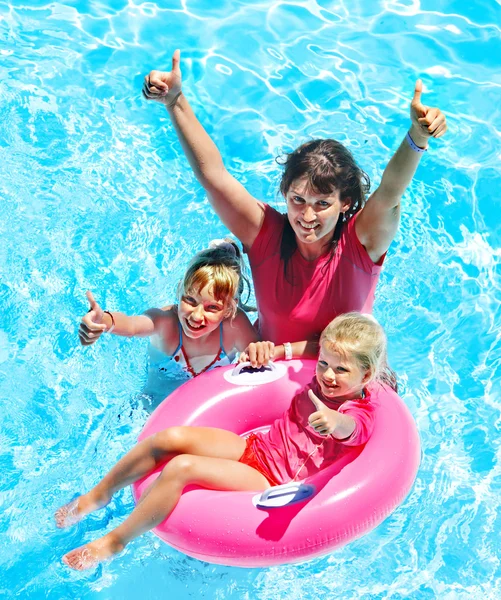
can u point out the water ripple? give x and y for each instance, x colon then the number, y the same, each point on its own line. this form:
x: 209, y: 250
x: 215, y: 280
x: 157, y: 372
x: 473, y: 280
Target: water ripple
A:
x: 97, y: 195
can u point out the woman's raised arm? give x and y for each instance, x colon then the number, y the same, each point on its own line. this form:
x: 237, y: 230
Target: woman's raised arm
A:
x: 240, y: 211
x: 377, y: 223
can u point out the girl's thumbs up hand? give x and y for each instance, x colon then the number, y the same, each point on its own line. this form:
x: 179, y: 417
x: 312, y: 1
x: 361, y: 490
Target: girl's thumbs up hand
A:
x: 324, y: 419
x: 91, y: 326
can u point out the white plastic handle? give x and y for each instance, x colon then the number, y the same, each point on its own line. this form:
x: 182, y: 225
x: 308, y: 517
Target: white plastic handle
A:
x: 280, y: 490
x: 238, y: 368
x: 284, y: 495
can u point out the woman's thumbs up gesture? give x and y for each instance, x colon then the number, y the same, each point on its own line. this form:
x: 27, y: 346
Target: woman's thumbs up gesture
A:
x: 324, y: 420
x: 91, y: 326
x: 426, y: 121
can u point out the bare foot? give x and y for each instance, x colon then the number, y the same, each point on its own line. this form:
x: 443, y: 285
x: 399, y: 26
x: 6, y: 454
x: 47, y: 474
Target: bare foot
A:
x: 77, y: 509
x: 91, y: 554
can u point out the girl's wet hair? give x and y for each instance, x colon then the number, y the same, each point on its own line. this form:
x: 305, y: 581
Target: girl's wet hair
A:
x: 361, y: 337
x: 221, y: 267
x: 328, y: 166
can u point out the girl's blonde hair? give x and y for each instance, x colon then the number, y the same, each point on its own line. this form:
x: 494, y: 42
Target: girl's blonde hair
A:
x: 220, y: 267
x: 360, y: 336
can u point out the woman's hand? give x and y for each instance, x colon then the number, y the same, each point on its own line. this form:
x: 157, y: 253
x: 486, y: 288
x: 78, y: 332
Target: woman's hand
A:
x: 258, y: 353
x: 324, y: 420
x: 92, y: 325
x: 426, y: 122
x: 164, y: 87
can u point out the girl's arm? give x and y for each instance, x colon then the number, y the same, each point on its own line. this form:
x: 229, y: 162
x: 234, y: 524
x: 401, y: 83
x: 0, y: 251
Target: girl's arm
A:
x: 242, y: 214
x: 377, y: 223
x: 239, y: 332
x: 97, y: 321
x: 326, y: 421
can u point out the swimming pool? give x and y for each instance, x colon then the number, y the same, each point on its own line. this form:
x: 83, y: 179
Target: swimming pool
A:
x: 95, y: 194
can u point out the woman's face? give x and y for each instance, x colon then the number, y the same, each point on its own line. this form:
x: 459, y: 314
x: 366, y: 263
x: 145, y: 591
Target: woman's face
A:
x: 313, y: 216
x: 200, y: 313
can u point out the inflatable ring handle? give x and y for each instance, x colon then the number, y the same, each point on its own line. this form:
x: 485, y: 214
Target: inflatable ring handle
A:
x: 238, y: 368
x: 284, y: 495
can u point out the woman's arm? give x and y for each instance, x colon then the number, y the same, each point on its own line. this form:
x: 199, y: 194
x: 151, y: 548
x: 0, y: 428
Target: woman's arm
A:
x: 303, y: 349
x: 260, y: 353
x: 239, y: 210
x: 377, y: 223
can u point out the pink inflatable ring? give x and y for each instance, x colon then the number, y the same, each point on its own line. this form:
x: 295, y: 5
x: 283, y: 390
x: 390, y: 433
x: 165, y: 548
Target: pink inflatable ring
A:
x: 341, y: 503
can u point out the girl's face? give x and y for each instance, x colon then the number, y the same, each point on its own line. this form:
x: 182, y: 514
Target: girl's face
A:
x: 339, y: 377
x: 200, y: 313
x: 312, y: 216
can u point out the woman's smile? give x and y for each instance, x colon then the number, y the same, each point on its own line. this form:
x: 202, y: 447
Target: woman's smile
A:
x: 308, y: 226
x: 313, y: 216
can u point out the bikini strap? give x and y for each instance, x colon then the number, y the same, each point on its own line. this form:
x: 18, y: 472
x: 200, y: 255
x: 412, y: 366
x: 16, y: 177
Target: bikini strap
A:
x: 221, y: 347
x: 180, y: 343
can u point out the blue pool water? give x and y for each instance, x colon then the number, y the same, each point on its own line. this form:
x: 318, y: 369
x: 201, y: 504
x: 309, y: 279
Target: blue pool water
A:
x: 95, y: 194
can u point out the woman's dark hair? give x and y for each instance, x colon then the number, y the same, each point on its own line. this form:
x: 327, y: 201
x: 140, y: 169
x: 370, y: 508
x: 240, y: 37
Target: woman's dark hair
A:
x: 329, y: 166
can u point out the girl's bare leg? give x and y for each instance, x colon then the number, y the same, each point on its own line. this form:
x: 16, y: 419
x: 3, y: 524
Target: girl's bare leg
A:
x: 147, y: 456
x: 163, y: 495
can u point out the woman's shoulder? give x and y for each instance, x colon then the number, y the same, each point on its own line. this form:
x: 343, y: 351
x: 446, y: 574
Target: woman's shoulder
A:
x: 349, y: 230
x: 273, y: 218
x: 273, y: 213
x: 351, y: 247
x: 268, y: 239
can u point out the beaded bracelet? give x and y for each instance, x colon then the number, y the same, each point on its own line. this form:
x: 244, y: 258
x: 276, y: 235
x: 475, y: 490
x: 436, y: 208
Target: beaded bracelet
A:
x: 413, y: 145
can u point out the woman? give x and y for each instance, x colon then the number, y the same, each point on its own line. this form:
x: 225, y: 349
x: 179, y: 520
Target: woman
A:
x: 324, y: 257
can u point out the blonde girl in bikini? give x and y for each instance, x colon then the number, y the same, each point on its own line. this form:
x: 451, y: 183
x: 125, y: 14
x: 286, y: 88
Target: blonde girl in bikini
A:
x: 204, y: 330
